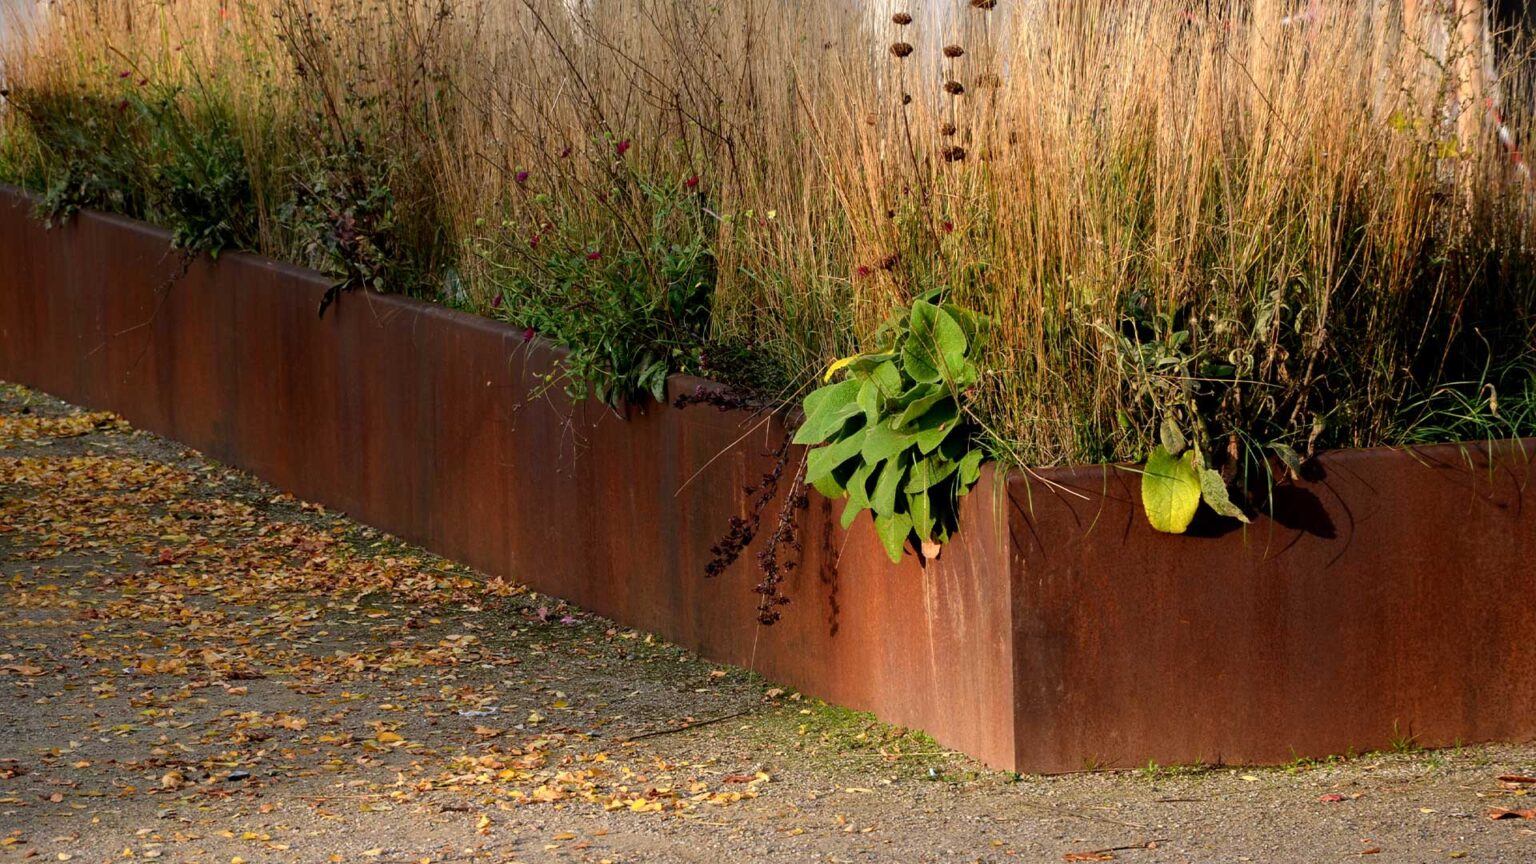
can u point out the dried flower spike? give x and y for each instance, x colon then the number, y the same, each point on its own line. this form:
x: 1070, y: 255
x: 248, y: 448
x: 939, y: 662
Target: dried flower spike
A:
x: 901, y: 49
x: 902, y: 18
x: 953, y: 51
x: 947, y: 129
x: 954, y: 153
x: 954, y: 88
x: 906, y: 98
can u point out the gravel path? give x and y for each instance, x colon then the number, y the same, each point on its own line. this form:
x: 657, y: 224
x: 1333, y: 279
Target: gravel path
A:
x: 197, y: 668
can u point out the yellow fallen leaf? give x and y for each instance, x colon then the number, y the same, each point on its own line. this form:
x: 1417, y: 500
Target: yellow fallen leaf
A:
x: 389, y: 738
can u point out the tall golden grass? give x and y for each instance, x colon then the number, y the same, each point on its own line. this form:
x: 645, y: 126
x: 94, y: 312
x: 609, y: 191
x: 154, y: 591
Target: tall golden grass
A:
x: 1275, y: 222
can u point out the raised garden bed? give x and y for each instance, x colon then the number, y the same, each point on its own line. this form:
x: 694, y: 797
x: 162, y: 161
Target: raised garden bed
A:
x: 1386, y: 603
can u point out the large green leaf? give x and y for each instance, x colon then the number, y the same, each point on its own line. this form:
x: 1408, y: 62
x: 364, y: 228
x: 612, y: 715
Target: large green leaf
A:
x: 870, y: 401
x: 883, y: 442
x: 858, y: 493
x: 893, y: 531
x: 886, y: 377
x: 826, y: 410
x: 970, y: 322
x: 824, y: 460
x: 883, y: 499
x: 934, y: 426
x: 920, y: 400
x: 970, y: 468
x: 1170, y: 490
x: 935, y: 349
x: 920, y: 507
x: 829, y: 487
x: 928, y: 471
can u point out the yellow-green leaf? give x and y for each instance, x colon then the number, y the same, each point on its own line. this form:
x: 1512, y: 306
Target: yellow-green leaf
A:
x: 1170, y: 490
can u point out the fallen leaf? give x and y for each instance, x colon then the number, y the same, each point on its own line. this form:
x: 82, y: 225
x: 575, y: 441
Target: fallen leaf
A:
x: 1516, y: 778
x: 1332, y: 798
x: 1501, y: 813
x: 26, y: 669
x: 1089, y: 856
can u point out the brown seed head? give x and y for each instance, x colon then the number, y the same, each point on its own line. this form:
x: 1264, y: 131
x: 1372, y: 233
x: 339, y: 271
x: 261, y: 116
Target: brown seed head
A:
x: 954, y: 153
x: 901, y: 49
x: 953, y: 51
x: 954, y: 88
x: 906, y: 98
x: 902, y: 18
x: 947, y: 129
x: 984, y: 5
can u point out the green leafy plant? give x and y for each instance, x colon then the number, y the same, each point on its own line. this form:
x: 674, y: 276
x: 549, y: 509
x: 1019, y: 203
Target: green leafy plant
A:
x: 631, y: 308
x: 893, y: 435
x: 1176, y: 479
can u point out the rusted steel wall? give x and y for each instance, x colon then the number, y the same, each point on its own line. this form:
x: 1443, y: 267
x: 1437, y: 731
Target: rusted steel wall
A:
x: 1388, y: 597
x: 432, y: 425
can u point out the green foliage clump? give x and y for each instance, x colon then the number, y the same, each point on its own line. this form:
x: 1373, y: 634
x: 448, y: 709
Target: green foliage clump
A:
x: 630, y: 313
x: 894, y: 437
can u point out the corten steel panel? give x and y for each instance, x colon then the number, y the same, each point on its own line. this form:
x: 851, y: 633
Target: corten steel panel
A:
x: 1057, y: 632
x: 1387, y: 600
x: 437, y: 426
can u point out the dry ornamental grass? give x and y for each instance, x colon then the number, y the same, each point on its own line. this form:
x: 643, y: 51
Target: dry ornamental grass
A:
x: 1299, y: 223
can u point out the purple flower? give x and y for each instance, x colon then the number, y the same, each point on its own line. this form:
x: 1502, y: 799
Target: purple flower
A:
x: 622, y: 147
x: 594, y: 255
x: 692, y: 182
x: 496, y: 302
x: 528, y: 334
x: 522, y: 178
